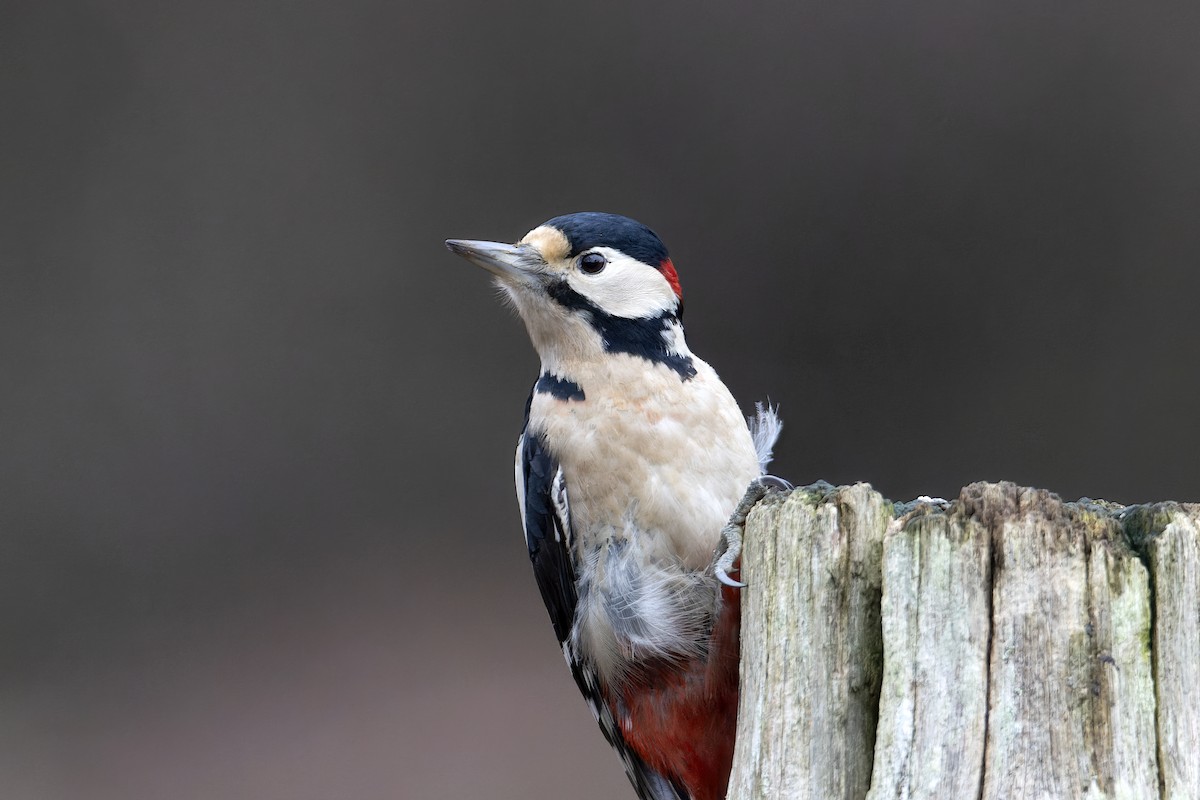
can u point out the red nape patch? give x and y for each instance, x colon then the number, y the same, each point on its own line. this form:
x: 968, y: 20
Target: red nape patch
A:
x: 668, y: 270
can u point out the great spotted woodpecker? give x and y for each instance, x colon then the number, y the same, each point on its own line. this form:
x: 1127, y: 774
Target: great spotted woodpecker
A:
x: 633, y: 457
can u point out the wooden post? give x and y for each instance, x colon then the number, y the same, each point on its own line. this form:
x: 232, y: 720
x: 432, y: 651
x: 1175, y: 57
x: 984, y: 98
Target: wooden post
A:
x: 1004, y: 645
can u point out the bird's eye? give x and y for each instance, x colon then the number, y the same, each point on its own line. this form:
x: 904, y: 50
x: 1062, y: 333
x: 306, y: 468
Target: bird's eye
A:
x: 592, y: 263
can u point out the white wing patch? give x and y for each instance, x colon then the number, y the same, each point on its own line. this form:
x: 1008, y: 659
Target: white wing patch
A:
x: 562, y: 507
x: 520, y: 481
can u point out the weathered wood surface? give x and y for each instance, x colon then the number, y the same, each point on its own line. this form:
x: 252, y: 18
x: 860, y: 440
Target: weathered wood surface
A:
x: 1169, y: 535
x: 937, y: 587
x: 806, y: 725
x: 1005, y: 645
x: 1071, y: 706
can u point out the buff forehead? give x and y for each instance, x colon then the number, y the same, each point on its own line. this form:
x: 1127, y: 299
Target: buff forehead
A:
x: 550, y: 242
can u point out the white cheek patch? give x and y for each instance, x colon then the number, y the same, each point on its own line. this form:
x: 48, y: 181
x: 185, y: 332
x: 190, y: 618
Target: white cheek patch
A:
x: 626, y: 287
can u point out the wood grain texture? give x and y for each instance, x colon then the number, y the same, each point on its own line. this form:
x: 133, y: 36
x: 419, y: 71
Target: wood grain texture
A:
x: 936, y: 622
x: 1169, y: 536
x: 1069, y: 713
x: 811, y: 627
x: 1005, y: 645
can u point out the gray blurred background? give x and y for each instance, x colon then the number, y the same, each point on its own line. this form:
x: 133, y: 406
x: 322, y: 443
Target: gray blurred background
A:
x: 257, y: 533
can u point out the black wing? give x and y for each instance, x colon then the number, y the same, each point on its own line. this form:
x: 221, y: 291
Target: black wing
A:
x: 542, y: 494
x: 546, y: 516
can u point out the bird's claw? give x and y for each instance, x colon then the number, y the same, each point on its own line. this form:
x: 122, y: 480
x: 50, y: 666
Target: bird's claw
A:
x: 774, y: 482
x: 728, y: 553
x: 730, y: 548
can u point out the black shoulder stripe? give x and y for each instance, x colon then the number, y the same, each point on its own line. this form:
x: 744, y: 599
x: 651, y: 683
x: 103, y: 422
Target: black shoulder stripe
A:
x: 637, y: 337
x: 561, y: 388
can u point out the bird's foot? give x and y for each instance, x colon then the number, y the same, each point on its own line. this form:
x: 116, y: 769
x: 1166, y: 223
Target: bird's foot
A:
x: 730, y: 547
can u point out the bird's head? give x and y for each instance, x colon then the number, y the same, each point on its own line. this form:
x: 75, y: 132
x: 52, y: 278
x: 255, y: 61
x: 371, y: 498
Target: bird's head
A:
x: 590, y: 283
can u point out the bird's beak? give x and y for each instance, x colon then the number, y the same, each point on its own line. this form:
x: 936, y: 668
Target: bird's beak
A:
x: 502, y: 260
